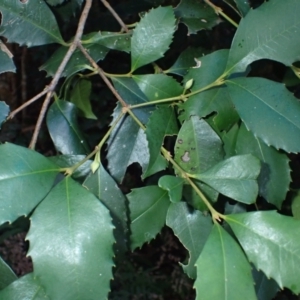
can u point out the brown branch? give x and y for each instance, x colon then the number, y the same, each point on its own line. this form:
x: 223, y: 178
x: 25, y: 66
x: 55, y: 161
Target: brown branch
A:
x: 59, y: 71
x: 102, y: 75
x: 115, y: 15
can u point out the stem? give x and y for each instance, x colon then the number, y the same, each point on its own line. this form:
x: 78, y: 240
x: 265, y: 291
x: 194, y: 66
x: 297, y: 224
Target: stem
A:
x: 59, y: 71
x: 218, y: 10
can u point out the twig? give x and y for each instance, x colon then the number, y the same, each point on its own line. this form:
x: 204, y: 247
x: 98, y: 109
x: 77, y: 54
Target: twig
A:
x: 115, y: 15
x: 102, y: 75
x: 59, y: 71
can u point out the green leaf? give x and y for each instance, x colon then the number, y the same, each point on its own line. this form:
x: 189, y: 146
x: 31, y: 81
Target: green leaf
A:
x: 152, y: 36
x: 267, y: 32
x: 29, y: 23
x: 173, y: 185
x: 223, y: 271
x: 4, y: 111
x: 243, y: 6
x: 161, y: 123
x: 64, y: 130
x: 192, y: 229
x: 110, y: 40
x: 133, y: 150
x: 7, y: 63
x: 77, y: 62
x: 25, y: 288
x: 148, y: 211
x: 7, y: 275
x: 274, y: 178
x: 186, y: 60
x: 68, y: 160
x: 71, y: 239
x: 296, y: 206
x: 196, y: 15
x: 158, y: 86
x: 269, y: 110
x: 272, y: 242
x: 266, y: 289
x: 234, y: 177
x: 197, y: 146
x: 105, y: 188
x: 55, y: 2
x: 229, y: 139
x: 81, y: 98
x: 25, y: 179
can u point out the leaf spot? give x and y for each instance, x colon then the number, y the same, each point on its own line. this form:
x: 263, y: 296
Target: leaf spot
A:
x: 203, y: 20
x: 180, y: 141
x: 186, y: 156
x: 198, y: 63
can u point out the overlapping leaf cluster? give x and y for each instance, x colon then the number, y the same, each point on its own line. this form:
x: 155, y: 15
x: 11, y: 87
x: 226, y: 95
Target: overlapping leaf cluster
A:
x: 231, y: 135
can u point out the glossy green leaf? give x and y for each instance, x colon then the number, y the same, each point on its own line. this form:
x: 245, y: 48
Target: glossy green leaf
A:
x: 7, y: 63
x: 234, y: 177
x: 81, y: 98
x: 25, y: 288
x: 158, y: 86
x: 152, y: 36
x: 7, y: 275
x: 110, y: 40
x: 269, y: 110
x: 77, y: 62
x: 71, y: 240
x: 25, y: 179
x: 197, y: 147
x: 223, y: 271
x: 148, y: 210
x: 229, y: 139
x: 161, y: 123
x: 4, y: 111
x: 243, y: 6
x: 186, y: 60
x: 173, y: 185
x: 64, y: 129
x: 272, y: 242
x: 29, y: 23
x: 271, y: 31
x: 274, y: 178
x: 123, y: 151
x: 55, y: 2
x: 296, y: 206
x: 105, y: 188
x: 192, y: 229
x: 68, y: 160
x: 196, y: 15
x: 265, y: 288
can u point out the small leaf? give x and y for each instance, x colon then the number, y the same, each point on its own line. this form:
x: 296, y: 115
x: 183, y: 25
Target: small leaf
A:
x: 265, y: 288
x: 272, y: 242
x: 266, y: 108
x: 64, y: 130
x: 26, y: 177
x: 192, y: 228
x: 296, y: 206
x: 158, y: 86
x: 197, y: 146
x: 105, y: 188
x: 72, y: 245
x: 280, y: 31
x: 81, y: 98
x: 77, y: 62
x: 186, y: 60
x: 110, y: 40
x: 274, y: 178
x: 7, y: 275
x: 148, y: 211
x: 161, y: 123
x: 234, y: 177
x: 27, y: 287
x: 173, y: 185
x: 223, y: 271
x: 152, y: 36
x: 7, y: 63
x: 229, y: 139
x: 243, y: 6
x: 4, y: 111
x: 29, y: 23
x: 196, y: 15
